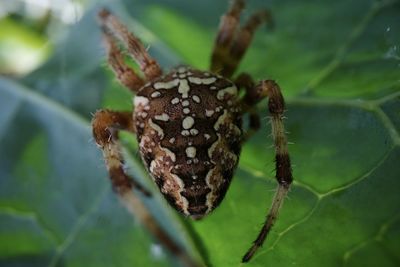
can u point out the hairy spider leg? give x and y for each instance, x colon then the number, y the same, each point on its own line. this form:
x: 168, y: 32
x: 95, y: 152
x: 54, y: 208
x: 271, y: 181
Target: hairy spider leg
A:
x: 243, y: 39
x: 231, y: 43
x: 125, y: 75
x: 106, y: 125
x: 226, y: 33
x: 147, y: 64
x: 276, y: 106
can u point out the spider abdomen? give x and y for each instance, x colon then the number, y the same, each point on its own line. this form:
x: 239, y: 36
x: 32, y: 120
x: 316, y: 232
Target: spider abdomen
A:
x: 188, y: 126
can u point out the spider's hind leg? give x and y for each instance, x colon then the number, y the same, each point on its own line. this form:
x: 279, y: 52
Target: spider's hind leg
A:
x: 231, y: 43
x: 243, y: 40
x: 276, y: 106
x: 226, y: 33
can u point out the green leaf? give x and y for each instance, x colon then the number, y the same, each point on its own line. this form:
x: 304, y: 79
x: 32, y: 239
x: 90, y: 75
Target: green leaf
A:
x: 338, y: 64
x: 59, y: 194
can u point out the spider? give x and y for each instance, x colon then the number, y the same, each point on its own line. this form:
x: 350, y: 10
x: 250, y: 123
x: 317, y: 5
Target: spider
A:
x: 188, y: 124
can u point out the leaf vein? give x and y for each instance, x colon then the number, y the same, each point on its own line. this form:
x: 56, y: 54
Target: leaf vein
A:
x: 343, y: 49
x: 80, y: 223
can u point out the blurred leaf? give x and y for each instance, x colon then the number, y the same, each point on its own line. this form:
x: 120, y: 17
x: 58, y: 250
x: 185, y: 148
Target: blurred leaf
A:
x: 338, y: 65
x: 29, y: 49
x: 54, y: 196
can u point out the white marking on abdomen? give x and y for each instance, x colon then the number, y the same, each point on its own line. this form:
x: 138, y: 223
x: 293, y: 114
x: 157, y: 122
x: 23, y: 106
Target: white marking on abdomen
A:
x: 194, y: 131
x: 169, y: 153
x: 221, y: 120
x: 140, y: 100
x: 209, y: 113
x: 211, y: 195
x: 196, y: 80
x: 231, y: 90
x: 155, y: 94
x: 182, y: 199
x: 196, y: 99
x: 185, y: 133
x: 213, y: 147
x: 175, y: 101
x: 157, y: 128
x: 162, y: 117
x: 190, y: 152
x: 152, y: 166
x: 187, y: 122
x: 166, y: 85
x: 184, y: 88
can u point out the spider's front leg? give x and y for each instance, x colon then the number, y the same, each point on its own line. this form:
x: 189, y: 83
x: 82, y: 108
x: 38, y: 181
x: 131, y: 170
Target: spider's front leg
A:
x: 276, y: 106
x: 113, y: 28
x: 106, y: 125
x: 125, y: 75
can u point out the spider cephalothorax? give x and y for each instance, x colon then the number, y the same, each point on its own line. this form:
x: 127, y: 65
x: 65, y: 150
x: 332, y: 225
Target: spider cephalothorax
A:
x: 189, y: 125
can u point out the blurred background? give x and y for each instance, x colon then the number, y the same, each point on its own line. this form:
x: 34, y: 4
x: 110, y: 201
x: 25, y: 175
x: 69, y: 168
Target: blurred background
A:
x: 338, y: 64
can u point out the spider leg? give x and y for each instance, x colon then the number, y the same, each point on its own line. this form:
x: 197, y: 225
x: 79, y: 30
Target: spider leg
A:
x: 124, y: 73
x: 147, y: 64
x: 226, y: 33
x: 244, y: 80
x: 231, y: 43
x: 106, y: 124
x: 243, y: 39
x: 276, y: 106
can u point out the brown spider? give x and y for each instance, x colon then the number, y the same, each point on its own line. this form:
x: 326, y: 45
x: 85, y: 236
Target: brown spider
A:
x: 188, y: 125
